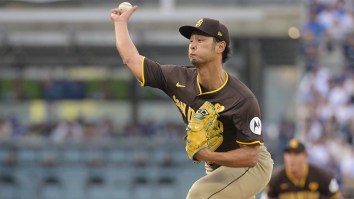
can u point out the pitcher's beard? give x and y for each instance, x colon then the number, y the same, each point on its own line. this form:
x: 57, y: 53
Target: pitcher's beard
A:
x: 195, y: 62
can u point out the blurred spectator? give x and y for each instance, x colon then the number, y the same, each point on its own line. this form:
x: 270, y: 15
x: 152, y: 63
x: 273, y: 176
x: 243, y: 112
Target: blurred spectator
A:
x: 318, y: 30
x: 314, y: 84
x: 148, y: 127
x: 324, y: 153
x: 348, y: 51
x: 331, y: 127
x: 310, y: 49
x: 68, y: 131
x: 338, y: 94
x: 347, y: 164
x: 18, y: 130
x: 172, y: 131
x: 89, y: 131
x: 11, y: 128
x: 349, y: 84
x: 286, y: 132
x: 319, y: 152
x: 325, y: 113
x: 324, y: 3
x: 105, y: 128
x: 315, y: 129
x: 5, y: 129
x: 351, y: 131
x: 132, y: 129
x: 39, y: 130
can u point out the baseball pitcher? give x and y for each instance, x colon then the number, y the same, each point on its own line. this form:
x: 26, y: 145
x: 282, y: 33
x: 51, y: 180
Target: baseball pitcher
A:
x: 222, y: 115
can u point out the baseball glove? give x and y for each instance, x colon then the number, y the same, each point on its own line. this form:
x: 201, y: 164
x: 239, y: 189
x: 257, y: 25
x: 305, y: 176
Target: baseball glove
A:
x: 203, y: 130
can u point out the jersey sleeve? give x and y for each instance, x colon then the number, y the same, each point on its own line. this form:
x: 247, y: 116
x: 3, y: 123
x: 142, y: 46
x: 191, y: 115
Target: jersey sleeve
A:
x: 153, y: 75
x: 164, y: 77
x: 247, y: 120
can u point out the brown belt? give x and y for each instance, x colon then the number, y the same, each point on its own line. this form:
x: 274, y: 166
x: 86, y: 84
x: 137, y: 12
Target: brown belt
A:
x: 210, y: 167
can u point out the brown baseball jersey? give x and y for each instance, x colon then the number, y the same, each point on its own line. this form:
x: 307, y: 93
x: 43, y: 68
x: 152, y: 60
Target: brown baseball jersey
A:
x: 240, y: 112
x: 317, y: 184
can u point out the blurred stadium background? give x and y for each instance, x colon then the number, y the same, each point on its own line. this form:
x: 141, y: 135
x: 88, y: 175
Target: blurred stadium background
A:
x: 75, y: 124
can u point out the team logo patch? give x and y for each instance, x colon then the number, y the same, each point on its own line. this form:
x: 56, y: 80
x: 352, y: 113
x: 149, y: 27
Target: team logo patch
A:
x: 204, y: 112
x: 199, y: 23
x: 256, y: 126
x: 333, y: 186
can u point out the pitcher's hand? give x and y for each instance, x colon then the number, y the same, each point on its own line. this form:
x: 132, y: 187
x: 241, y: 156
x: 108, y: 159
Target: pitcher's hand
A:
x: 117, y: 16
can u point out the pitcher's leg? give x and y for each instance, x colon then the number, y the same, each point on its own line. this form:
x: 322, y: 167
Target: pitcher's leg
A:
x: 225, y: 183
x: 235, y: 183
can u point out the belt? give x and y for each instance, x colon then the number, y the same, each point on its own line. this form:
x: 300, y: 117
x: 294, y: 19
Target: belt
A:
x: 210, y: 167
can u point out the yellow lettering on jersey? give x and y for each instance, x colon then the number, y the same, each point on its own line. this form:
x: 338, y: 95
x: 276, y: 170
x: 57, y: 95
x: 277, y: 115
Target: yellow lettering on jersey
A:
x: 300, y: 195
x: 313, y: 186
x: 219, y: 107
x: 190, y: 113
x: 182, y: 106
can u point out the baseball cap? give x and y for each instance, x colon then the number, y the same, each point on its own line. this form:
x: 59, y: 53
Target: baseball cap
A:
x: 208, y: 26
x: 294, y: 146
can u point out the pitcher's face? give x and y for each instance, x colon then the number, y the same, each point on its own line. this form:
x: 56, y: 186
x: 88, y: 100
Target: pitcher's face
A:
x: 202, y: 49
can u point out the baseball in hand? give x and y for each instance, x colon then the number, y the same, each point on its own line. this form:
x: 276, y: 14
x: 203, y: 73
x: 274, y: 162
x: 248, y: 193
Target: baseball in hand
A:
x: 124, y: 6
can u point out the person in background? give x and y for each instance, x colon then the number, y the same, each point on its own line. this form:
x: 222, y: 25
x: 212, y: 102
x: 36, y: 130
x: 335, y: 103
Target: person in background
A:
x: 300, y: 179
